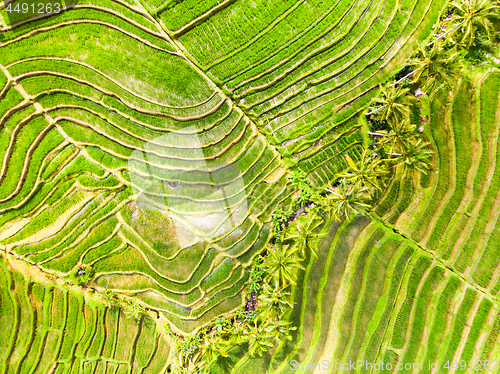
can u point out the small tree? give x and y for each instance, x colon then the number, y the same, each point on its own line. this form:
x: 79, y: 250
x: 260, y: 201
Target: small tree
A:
x: 275, y: 301
x: 280, y: 330
x: 470, y: 15
x: 132, y: 308
x: 259, y: 338
x: 346, y: 199
x: 108, y: 298
x: 303, y: 235
x: 416, y: 156
x: 394, y: 103
x: 369, y: 171
x: 434, y: 64
x: 400, y: 135
x: 280, y: 265
x: 214, y: 346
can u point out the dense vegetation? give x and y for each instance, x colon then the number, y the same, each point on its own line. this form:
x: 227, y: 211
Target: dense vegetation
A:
x: 334, y: 164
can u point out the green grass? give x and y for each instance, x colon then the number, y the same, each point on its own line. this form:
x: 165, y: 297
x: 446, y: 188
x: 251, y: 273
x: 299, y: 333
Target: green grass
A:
x: 462, y: 118
x: 443, y: 152
x: 459, y: 324
x: 478, y: 326
x: 373, y: 346
x: 422, y: 312
x: 389, y: 199
x: 71, y: 328
x: 438, y: 329
x: 403, y: 317
x: 367, y: 308
x: 491, y: 341
x: 347, y: 324
x: 403, y: 204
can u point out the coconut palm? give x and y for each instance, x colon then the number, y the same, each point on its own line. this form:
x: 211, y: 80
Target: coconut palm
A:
x: 280, y: 330
x: 304, y: 236
x: 345, y: 200
x: 434, y: 64
x: 259, y: 338
x: 280, y: 265
x: 416, y: 156
x: 214, y: 346
x: 189, y: 364
x: 470, y: 14
x: 274, y: 300
x: 238, y: 333
x: 395, y: 103
x: 299, y: 181
x: 399, y: 135
x: 368, y: 171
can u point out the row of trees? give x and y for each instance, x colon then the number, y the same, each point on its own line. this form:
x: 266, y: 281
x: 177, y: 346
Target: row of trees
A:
x: 263, y: 325
x: 469, y: 17
x: 397, y: 144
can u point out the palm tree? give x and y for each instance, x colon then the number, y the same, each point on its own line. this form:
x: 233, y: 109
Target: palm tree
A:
x: 470, y: 14
x: 214, y: 347
x: 398, y: 136
x: 299, y: 181
x: 237, y: 333
x: 259, y: 338
x: 274, y: 300
x: 436, y: 63
x: 416, y: 156
x: 188, y: 364
x: 191, y: 367
x: 280, y: 329
x: 368, y: 171
x: 346, y: 199
x: 280, y: 264
x: 304, y: 236
x: 395, y: 103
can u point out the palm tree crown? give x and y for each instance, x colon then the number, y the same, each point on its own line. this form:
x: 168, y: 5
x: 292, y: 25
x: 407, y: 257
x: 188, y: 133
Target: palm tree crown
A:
x: 214, y: 347
x: 369, y: 171
x: 304, y: 236
x: 401, y: 133
x: 346, y: 199
x: 434, y: 64
x: 280, y: 265
x: 394, y: 103
x: 416, y: 156
x: 259, y: 337
x: 274, y: 300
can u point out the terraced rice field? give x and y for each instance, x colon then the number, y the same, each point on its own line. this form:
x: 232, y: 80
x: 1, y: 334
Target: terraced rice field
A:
x: 50, y: 329
x: 374, y: 295
x: 110, y: 78
x: 453, y: 212
x: 291, y: 64
x: 71, y: 124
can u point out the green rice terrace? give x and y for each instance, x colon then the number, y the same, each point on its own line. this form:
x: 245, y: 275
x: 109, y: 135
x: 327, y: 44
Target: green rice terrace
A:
x: 235, y: 186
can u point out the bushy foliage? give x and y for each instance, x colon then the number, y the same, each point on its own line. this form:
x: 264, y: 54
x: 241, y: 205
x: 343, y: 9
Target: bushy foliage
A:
x: 82, y: 275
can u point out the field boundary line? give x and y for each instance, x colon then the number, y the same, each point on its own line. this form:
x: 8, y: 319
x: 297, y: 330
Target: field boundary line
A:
x: 438, y: 259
